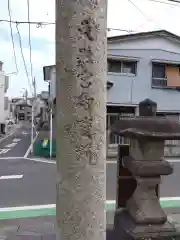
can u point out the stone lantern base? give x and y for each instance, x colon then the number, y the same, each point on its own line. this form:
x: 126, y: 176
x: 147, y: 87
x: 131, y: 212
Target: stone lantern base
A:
x: 126, y: 229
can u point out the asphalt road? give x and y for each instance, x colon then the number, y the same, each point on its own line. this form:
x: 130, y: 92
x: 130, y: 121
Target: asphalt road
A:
x: 23, y: 181
x: 36, y: 187
x: 36, y: 182
x: 16, y: 144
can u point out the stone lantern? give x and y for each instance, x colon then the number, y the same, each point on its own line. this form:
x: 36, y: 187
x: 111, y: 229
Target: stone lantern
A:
x: 142, y: 216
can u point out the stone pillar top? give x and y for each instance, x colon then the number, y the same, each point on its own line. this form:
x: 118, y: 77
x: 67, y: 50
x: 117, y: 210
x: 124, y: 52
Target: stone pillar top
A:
x: 147, y: 125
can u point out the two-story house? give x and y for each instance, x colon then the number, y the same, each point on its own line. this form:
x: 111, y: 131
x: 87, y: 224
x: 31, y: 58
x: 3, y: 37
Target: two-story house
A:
x: 141, y: 65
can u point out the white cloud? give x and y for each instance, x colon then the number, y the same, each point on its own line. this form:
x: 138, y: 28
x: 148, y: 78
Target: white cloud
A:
x: 121, y: 14
x: 39, y: 11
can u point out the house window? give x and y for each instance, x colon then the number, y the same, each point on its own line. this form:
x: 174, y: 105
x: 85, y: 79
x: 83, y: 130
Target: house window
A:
x: 114, y: 66
x: 126, y: 67
x: 21, y: 108
x: 159, y: 78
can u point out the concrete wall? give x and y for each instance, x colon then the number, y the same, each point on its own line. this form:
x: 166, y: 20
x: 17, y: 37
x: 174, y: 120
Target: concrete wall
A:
x: 7, y: 108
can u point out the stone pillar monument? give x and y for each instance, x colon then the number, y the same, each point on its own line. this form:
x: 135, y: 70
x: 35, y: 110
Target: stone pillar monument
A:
x: 142, y: 216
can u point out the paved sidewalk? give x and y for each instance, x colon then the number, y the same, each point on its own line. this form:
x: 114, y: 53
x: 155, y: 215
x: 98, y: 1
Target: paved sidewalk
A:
x: 43, y: 228
x: 40, y: 228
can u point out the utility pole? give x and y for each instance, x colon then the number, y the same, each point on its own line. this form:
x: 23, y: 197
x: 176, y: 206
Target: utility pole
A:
x: 32, y: 113
x: 81, y: 76
x: 34, y: 87
x: 26, y: 95
x: 51, y: 124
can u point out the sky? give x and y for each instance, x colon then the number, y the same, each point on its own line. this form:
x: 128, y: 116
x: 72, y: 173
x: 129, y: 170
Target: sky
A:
x: 128, y: 15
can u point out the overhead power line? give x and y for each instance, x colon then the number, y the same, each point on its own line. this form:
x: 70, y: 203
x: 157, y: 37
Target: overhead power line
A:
x: 142, y: 12
x: 28, y: 22
x: 12, y: 38
x: 175, y: 4
x: 22, y: 54
x: 40, y: 24
x: 174, y: 1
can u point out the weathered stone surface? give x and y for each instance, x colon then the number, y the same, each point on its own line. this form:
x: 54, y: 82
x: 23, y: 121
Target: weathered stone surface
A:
x: 145, y: 164
x: 127, y: 229
x: 144, y: 217
x: 147, y: 127
x: 148, y: 168
x: 144, y: 149
x: 144, y: 206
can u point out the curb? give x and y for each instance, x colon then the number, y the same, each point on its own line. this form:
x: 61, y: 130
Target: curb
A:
x: 50, y: 209
x: 40, y: 160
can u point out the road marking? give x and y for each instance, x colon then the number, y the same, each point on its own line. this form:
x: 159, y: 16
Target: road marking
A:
x: 24, y: 133
x: 174, y: 160
x: 11, y: 145
x: 2, y: 151
x: 31, y: 145
x: 11, y: 177
x: 2, y: 139
x: 170, y: 198
x: 41, y: 160
x: 16, y: 140
x: 6, y: 158
x: 50, y: 209
x: 35, y: 207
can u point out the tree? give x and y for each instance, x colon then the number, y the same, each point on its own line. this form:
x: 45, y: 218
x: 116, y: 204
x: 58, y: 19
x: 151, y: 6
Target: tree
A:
x: 81, y: 72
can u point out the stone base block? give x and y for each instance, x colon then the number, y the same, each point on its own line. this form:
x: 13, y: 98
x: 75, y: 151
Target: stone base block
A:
x: 126, y: 229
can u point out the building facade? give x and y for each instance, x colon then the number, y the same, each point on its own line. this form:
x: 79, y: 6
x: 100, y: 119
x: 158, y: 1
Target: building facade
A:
x: 4, y: 84
x: 142, y: 65
x: 23, y: 109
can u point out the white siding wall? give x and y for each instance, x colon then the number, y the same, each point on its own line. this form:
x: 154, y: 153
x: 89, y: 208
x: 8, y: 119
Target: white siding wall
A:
x: 2, y: 94
x: 130, y: 90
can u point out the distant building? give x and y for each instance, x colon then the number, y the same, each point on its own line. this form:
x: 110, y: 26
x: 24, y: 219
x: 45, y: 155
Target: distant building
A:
x: 4, y: 84
x: 23, y: 109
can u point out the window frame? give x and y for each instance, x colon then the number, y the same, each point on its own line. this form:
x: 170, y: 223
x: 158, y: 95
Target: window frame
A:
x: 121, y: 62
x: 22, y: 108
x: 153, y: 79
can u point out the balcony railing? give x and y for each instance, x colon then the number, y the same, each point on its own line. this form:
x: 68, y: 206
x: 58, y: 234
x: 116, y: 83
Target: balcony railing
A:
x: 159, y: 82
